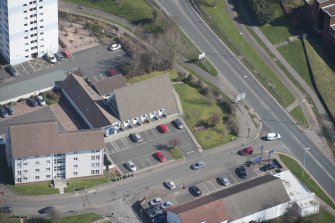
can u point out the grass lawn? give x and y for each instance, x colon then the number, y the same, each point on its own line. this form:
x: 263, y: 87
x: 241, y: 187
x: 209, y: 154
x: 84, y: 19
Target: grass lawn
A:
x: 131, y: 80
x: 175, y: 153
x: 85, y: 183
x: 83, y: 218
x: 299, y: 116
x: 227, y: 31
x: 34, y: 189
x: 197, y: 109
x: 297, y: 170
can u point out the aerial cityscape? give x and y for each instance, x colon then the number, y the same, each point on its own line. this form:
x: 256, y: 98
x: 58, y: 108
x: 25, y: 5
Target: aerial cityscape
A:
x: 167, y: 111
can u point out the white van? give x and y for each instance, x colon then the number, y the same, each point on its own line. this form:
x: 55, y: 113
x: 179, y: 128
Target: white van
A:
x: 51, y: 58
x: 272, y: 136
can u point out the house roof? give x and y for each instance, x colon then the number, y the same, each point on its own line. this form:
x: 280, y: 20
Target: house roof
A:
x: 146, y: 96
x: 87, y: 101
x: 42, y: 138
x: 107, y: 85
x: 329, y: 9
x: 238, y: 201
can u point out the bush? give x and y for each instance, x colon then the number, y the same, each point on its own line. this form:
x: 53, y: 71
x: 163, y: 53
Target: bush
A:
x: 262, y: 10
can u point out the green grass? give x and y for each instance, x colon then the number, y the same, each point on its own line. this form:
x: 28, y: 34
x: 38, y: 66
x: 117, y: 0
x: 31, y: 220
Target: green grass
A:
x: 297, y: 170
x: 225, y: 28
x: 196, y: 109
x: 131, y: 80
x: 323, y: 217
x: 42, y: 188
x: 299, y: 116
x: 85, y: 183
x: 83, y: 218
x: 175, y: 153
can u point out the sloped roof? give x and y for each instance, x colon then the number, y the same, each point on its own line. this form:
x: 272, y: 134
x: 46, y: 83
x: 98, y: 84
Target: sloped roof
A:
x: 87, y: 101
x: 146, y: 96
x: 42, y: 138
x: 238, y: 201
x: 107, y: 85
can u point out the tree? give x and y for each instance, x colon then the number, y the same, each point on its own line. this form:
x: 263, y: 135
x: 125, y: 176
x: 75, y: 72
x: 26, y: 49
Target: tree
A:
x: 214, y: 119
x: 262, y: 10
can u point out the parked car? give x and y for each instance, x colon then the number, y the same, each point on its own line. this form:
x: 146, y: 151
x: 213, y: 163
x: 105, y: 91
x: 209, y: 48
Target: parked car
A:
x: 66, y: 54
x: 268, y: 167
x: 10, y: 109
x: 46, y: 210
x: 32, y: 102
x: 195, y: 191
x: 131, y: 166
x: 51, y: 58
x: 5, y: 209
x: 112, y: 72
x: 197, y: 165
x: 166, y: 205
x: 40, y: 100
x: 2, y: 140
x: 170, y: 184
x: 12, y: 70
x: 178, y: 124
x: 114, y: 46
x: 135, y: 137
x: 155, y: 201
x: 59, y: 56
x: 246, y: 151
x: 272, y: 136
x: 241, y: 172
x: 162, y: 128
x: 3, y: 112
x: 223, y: 180
x: 160, y: 156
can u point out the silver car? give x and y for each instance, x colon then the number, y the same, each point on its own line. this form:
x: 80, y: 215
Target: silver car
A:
x: 223, y: 180
x: 197, y: 165
x: 131, y: 165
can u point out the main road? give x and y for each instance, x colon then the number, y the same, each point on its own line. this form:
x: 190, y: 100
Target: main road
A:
x: 274, y: 117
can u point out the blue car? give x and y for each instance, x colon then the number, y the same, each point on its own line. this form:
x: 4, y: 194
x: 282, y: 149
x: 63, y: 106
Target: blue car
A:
x: 32, y: 102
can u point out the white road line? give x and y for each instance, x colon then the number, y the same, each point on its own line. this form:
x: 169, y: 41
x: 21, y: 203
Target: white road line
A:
x: 203, y: 183
x: 148, y: 159
x: 24, y: 68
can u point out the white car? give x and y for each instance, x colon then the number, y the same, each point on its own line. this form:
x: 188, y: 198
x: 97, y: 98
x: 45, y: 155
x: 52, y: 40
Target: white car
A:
x: 51, y: 57
x: 131, y: 165
x: 114, y: 47
x: 40, y: 100
x: 223, y: 180
x: 272, y: 136
x: 170, y: 184
x: 166, y: 205
x: 155, y: 201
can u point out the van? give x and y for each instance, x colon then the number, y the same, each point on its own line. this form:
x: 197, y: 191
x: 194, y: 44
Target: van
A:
x: 51, y: 58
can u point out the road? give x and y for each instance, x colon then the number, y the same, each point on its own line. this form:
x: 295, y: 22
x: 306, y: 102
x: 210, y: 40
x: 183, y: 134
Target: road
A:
x: 273, y: 116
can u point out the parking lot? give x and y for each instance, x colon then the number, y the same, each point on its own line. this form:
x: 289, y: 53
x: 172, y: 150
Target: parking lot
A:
x: 142, y: 153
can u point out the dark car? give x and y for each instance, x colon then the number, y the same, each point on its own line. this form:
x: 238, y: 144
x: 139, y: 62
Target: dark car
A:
x: 12, y: 71
x: 3, y: 112
x: 241, y: 172
x: 246, y: 151
x: 46, y: 210
x: 268, y: 167
x: 32, y: 102
x: 5, y: 209
x: 178, y: 124
x: 10, y: 109
x: 135, y: 137
x: 195, y: 191
x: 59, y: 56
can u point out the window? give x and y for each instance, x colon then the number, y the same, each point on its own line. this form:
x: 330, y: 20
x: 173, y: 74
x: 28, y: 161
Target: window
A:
x: 37, y: 156
x: 92, y: 157
x: 37, y: 162
x: 25, y: 178
x: 19, y: 158
x: 47, y: 161
x: 25, y: 171
x: 47, y: 169
x: 75, y: 158
x: 26, y: 37
x: 75, y: 173
x: 37, y: 177
x: 19, y: 165
x: 95, y: 171
x: 73, y: 152
x: 97, y: 164
x: 92, y: 164
x: 47, y: 176
x: 18, y: 180
x: 19, y: 172
x: 97, y: 157
x: 75, y: 166
x: 37, y: 170
x: 25, y: 164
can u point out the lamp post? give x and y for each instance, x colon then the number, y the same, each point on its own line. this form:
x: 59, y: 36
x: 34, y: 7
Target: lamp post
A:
x: 303, y: 170
x: 67, y: 15
x: 244, y: 77
x: 305, y: 124
x: 241, y: 45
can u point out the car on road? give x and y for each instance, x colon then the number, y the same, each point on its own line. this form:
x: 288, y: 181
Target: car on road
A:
x: 241, y: 172
x: 10, y: 109
x: 268, y: 167
x: 66, y: 54
x: 223, y: 180
x: 59, y: 56
x: 114, y: 46
x: 32, y: 102
x: 195, y: 191
x: 131, y: 165
x: 246, y: 151
x: 40, y: 100
x: 166, y: 205
x: 160, y: 156
x: 155, y: 201
x: 162, y: 128
x: 5, y: 209
x: 170, y: 184
x: 272, y: 136
x: 135, y: 137
x: 46, y: 210
x: 3, y: 112
x: 12, y: 70
x: 197, y: 165
x: 178, y: 124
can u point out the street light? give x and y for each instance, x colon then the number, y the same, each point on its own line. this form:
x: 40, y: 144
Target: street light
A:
x: 303, y: 170
x: 245, y: 77
x: 241, y: 45
x: 67, y: 15
x: 305, y: 124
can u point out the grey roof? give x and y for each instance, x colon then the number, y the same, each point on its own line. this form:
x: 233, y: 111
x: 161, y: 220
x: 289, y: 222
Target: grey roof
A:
x: 145, y: 97
x: 42, y: 138
x: 87, y: 101
x: 107, y: 85
x: 243, y: 199
x: 31, y: 85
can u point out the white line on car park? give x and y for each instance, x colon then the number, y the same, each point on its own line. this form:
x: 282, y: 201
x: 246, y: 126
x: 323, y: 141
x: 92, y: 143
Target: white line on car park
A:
x: 24, y: 68
x: 150, y: 139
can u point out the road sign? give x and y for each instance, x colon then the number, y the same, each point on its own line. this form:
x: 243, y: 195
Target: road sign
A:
x: 240, y: 97
x: 270, y: 152
x: 202, y: 56
x: 258, y: 159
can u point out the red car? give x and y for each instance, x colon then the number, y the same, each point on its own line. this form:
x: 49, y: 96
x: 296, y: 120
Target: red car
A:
x: 162, y: 128
x: 67, y: 54
x: 160, y: 156
x: 246, y: 151
x: 112, y: 72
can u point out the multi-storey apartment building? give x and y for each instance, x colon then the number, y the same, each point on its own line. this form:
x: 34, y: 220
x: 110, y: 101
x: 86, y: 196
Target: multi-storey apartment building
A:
x: 39, y: 152
x: 28, y: 29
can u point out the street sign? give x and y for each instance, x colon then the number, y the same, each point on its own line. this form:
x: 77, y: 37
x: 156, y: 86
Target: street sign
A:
x: 202, y: 56
x: 240, y: 97
x: 258, y: 159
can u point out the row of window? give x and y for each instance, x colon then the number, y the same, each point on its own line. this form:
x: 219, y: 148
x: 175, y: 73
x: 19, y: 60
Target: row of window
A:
x: 23, y: 179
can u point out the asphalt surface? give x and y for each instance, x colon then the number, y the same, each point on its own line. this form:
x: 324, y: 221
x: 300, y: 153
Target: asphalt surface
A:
x: 274, y: 117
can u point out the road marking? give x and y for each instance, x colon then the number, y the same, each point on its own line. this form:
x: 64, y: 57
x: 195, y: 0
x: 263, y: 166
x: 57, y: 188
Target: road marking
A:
x: 24, y: 68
